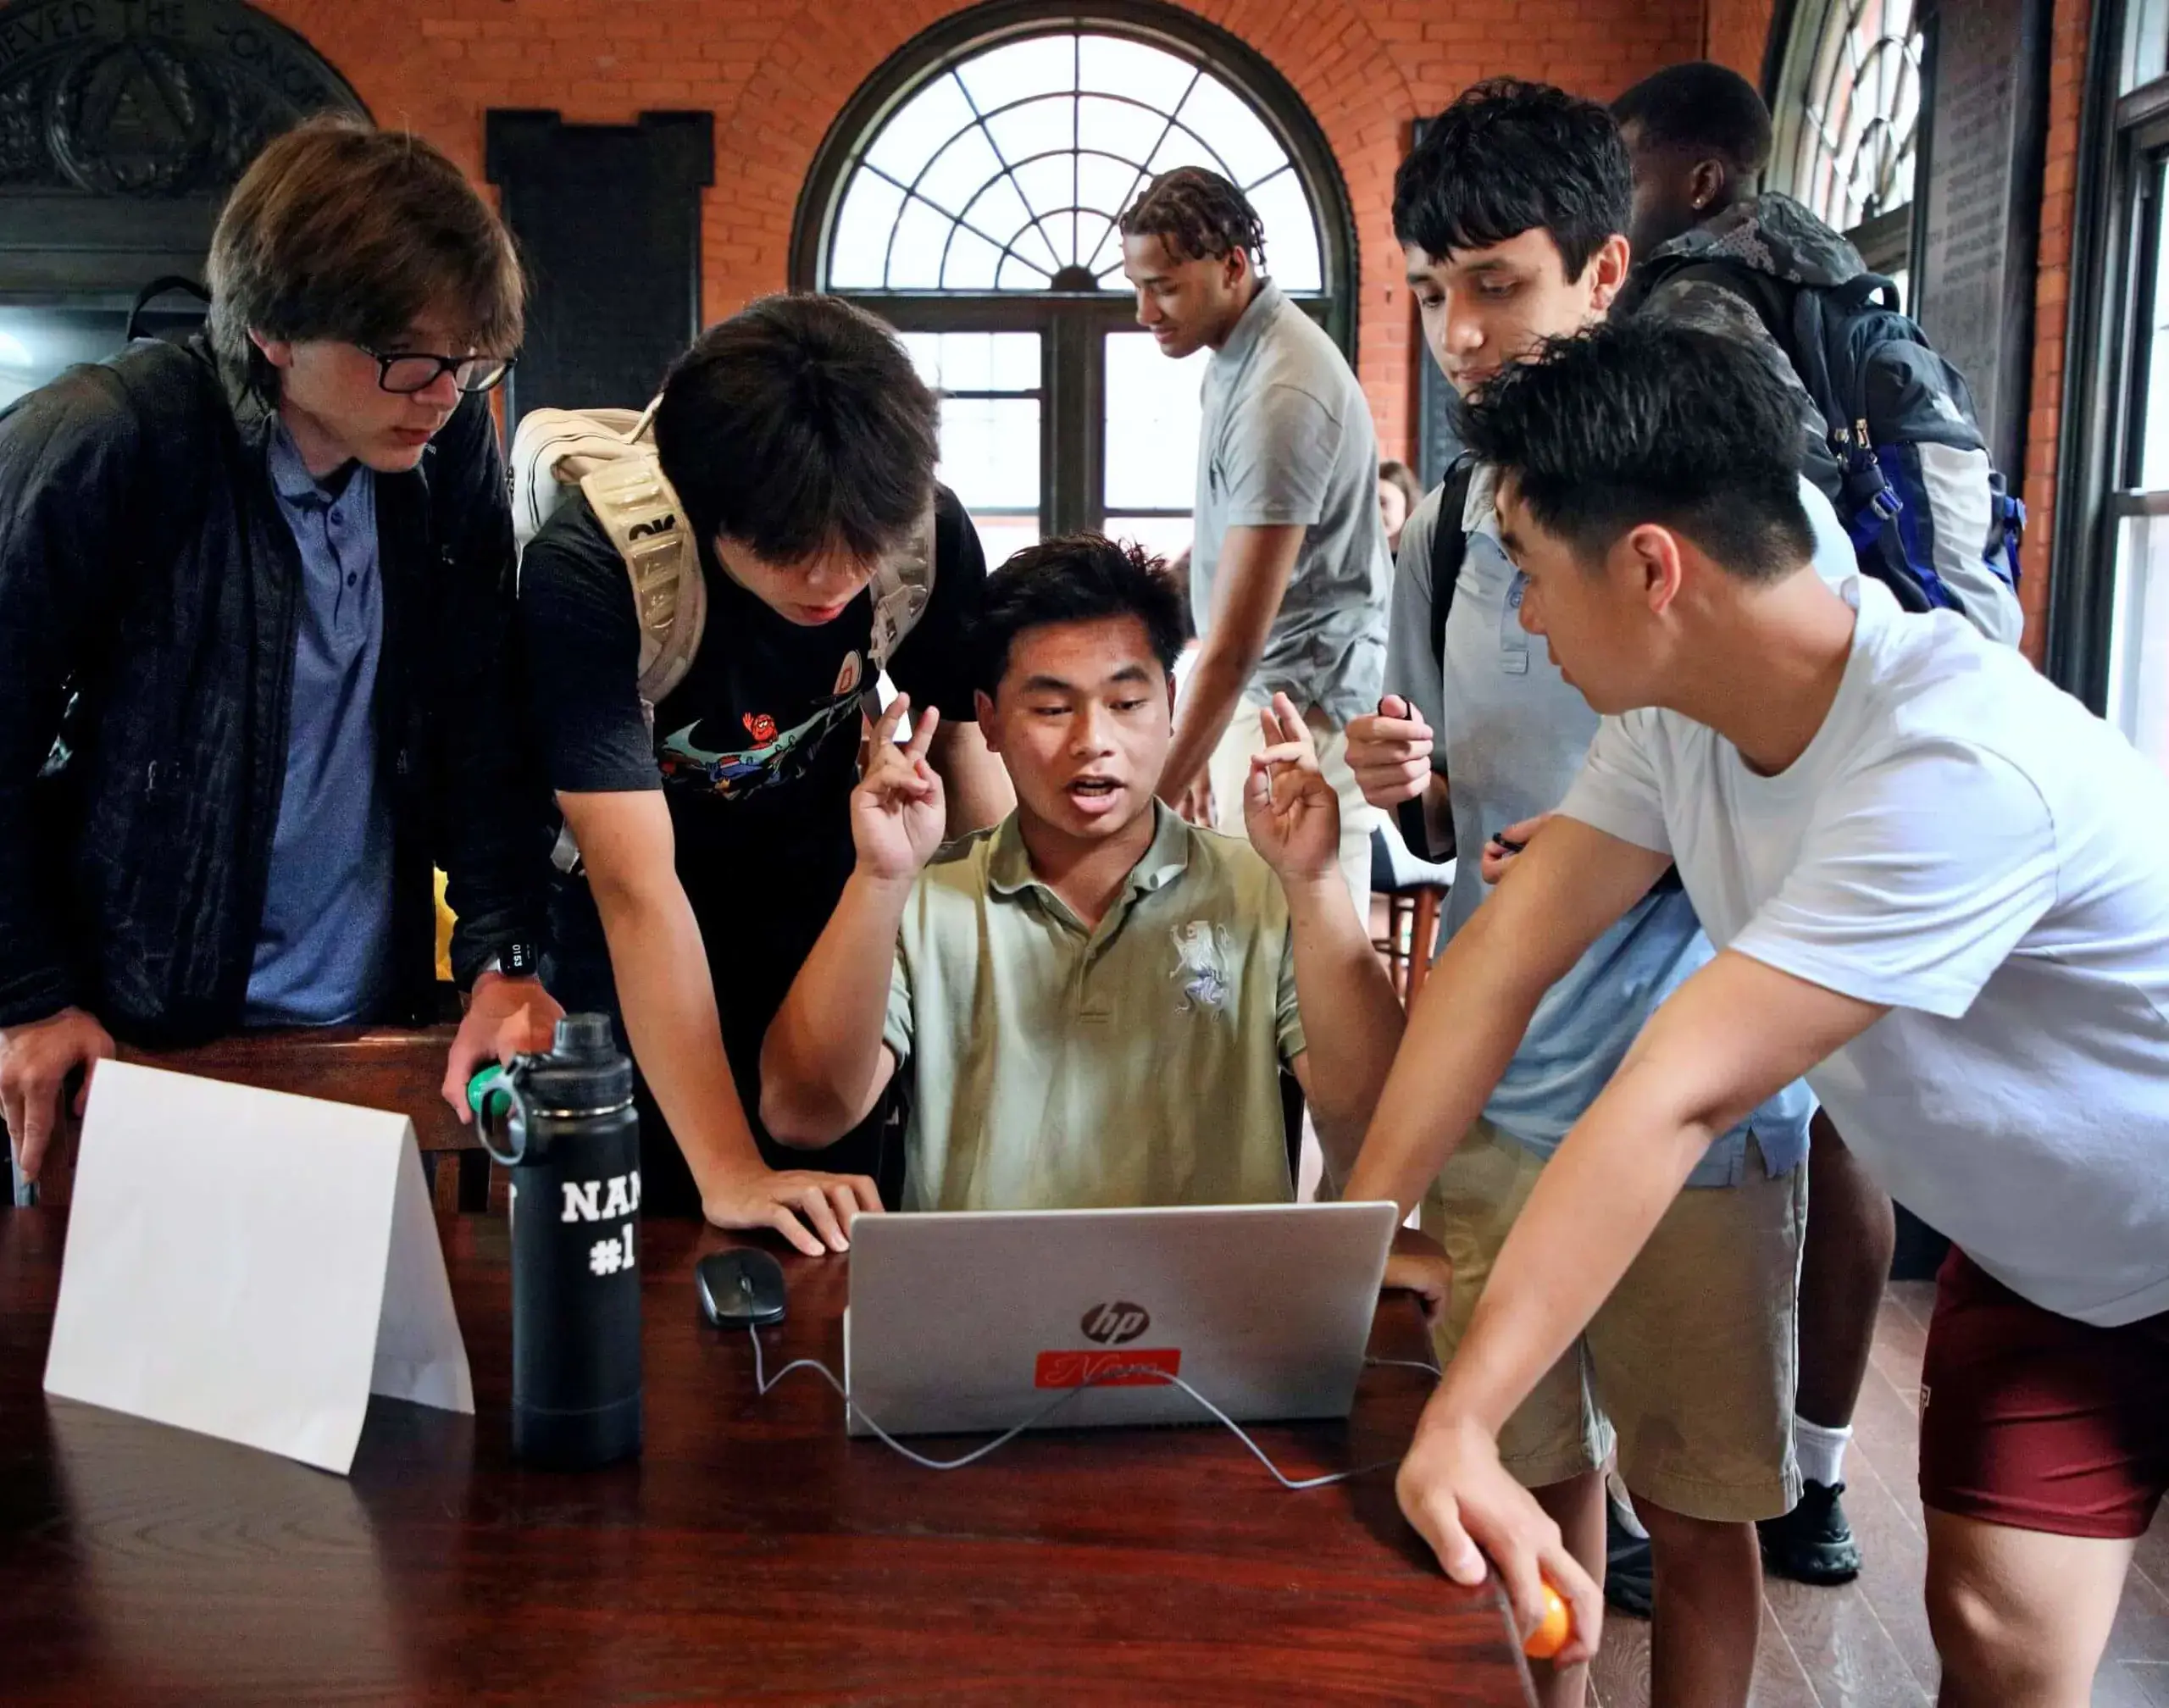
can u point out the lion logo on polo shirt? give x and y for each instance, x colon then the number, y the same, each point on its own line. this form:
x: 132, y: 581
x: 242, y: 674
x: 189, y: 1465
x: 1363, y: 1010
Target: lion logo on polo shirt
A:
x: 1201, y: 949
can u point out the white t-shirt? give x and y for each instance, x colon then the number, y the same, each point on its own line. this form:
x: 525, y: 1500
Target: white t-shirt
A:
x: 1966, y: 843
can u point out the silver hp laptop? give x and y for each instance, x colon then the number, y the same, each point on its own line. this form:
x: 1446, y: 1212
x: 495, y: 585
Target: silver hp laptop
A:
x: 974, y: 1321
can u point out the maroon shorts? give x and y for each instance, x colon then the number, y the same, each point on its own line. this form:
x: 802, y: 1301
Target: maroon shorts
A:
x: 2036, y: 1422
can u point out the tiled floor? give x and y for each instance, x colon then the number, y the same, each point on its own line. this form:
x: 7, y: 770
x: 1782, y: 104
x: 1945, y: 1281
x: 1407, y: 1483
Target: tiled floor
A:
x: 1866, y: 1645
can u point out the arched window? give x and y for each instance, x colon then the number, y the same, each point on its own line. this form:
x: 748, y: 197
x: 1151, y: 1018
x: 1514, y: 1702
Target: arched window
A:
x: 969, y: 194
x: 1850, y: 111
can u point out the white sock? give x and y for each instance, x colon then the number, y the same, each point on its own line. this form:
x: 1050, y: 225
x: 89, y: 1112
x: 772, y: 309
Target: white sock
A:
x: 1821, y: 1452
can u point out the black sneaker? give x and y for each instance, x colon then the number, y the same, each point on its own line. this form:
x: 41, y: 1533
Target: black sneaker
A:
x: 1813, y: 1543
x: 1627, y: 1585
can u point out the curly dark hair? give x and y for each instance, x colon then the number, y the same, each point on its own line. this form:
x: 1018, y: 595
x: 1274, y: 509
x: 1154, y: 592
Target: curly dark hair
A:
x: 1644, y: 420
x: 1199, y: 216
x: 1076, y: 577
x: 1510, y: 157
x: 1700, y: 106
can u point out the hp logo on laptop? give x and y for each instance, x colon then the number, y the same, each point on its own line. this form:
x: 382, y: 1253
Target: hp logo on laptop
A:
x: 1112, y: 1325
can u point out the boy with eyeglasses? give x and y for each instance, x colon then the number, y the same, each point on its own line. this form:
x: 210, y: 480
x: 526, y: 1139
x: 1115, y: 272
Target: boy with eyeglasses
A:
x: 256, y: 645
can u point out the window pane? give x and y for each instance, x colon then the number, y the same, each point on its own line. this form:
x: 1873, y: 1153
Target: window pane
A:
x: 1238, y: 136
x: 1152, y: 424
x: 1123, y: 129
x: 1035, y: 166
x: 972, y: 263
x: 2153, y: 430
x: 1134, y: 70
x: 1164, y: 536
x: 1010, y: 73
x: 921, y: 126
x: 1107, y: 185
x: 2146, y: 55
x: 1184, y: 148
x: 2138, y: 650
x: 1038, y: 127
x: 1002, y: 537
x: 860, y: 256
x: 961, y: 171
x: 915, y: 256
x: 976, y: 361
x: 1291, y: 234
x: 1000, y: 212
x: 991, y: 451
x: 1024, y: 275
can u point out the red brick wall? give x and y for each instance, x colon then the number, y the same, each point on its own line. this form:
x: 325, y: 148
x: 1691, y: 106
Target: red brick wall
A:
x: 2051, y: 299
x: 1735, y: 33
x: 775, y: 73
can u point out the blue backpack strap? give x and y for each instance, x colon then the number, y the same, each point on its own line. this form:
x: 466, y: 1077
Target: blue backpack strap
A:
x: 1820, y: 317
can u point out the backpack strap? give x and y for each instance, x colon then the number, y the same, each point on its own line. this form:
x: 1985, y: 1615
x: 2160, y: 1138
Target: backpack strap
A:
x: 1449, y: 547
x: 902, y: 588
x: 638, y: 509
x: 1820, y: 317
x: 160, y: 286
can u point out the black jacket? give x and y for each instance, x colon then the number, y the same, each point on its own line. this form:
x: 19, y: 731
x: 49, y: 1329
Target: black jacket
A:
x: 149, y: 590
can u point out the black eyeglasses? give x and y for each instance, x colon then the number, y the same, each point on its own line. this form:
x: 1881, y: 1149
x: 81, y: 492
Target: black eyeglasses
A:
x: 408, y: 371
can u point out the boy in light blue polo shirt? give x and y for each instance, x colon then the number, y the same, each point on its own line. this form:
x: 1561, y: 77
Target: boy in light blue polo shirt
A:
x: 1510, y: 215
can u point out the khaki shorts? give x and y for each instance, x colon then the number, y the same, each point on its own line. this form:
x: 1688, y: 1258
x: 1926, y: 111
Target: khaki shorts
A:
x: 1229, y: 769
x: 1690, y: 1365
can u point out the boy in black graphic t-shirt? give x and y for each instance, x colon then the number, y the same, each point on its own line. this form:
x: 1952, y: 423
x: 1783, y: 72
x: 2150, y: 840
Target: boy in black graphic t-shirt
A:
x: 714, y: 835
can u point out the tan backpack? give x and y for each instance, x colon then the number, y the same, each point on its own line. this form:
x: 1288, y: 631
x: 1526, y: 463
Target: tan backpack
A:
x: 610, y: 455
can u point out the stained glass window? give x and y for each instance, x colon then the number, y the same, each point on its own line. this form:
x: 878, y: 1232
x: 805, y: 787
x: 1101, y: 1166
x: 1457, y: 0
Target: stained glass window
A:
x: 1007, y: 169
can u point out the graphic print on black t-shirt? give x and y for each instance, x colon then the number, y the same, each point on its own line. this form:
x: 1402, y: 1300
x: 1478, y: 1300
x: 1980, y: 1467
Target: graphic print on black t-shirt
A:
x: 777, y: 757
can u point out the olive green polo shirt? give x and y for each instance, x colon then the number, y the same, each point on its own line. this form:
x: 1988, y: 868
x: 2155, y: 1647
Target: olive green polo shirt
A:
x: 1055, y: 1068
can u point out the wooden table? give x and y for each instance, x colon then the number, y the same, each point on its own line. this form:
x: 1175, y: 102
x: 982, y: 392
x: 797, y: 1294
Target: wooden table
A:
x: 753, y: 1556
x: 376, y: 1067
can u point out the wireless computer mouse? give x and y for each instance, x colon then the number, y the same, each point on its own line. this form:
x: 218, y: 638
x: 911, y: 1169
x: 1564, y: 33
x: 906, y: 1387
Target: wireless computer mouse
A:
x: 739, y: 1287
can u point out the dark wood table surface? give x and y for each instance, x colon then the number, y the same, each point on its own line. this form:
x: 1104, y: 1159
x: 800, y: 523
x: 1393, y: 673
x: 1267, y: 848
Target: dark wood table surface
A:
x: 753, y: 1555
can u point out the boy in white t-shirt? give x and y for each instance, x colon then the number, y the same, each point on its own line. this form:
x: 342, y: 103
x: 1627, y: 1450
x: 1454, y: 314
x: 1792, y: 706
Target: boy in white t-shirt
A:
x: 1938, y: 889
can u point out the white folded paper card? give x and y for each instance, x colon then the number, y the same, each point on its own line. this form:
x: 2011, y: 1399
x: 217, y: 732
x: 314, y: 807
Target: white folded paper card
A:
x: 251, y: 1265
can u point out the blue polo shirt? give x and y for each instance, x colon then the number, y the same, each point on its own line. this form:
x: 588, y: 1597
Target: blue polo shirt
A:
x: 322, y: 948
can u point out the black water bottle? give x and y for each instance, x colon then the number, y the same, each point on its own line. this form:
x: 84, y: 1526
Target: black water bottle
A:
x: 563, y: 1124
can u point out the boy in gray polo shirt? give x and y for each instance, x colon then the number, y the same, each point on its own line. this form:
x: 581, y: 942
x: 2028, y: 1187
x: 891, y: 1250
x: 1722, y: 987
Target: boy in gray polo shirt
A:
x: 1288, y: 571
x: 1094, y: 999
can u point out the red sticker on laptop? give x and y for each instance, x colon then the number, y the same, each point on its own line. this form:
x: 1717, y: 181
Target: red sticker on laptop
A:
x: 1131, y: 1367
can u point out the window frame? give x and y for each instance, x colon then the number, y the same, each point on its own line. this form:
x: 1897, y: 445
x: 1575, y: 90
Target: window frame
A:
x: 1072, y: 324
x: 2123, y: 151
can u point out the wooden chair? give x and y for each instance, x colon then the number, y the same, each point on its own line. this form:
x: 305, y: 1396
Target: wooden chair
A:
x: 1413, y: 891
x: 1411, y: 932
x: 378, y: 1067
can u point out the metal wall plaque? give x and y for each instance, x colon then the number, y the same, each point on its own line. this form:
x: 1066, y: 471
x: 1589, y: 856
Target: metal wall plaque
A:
x: 1983, y: 191
x: 148, y: 97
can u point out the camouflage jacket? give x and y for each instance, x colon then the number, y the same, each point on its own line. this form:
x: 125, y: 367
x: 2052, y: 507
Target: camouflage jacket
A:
x: 1772, y: 235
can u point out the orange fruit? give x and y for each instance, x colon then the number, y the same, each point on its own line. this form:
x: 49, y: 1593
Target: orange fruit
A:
x: 1552, y: 1630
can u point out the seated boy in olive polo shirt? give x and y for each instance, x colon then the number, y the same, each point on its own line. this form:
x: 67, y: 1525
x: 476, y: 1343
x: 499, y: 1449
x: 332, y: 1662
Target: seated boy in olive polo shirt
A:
x: 1093, y: 999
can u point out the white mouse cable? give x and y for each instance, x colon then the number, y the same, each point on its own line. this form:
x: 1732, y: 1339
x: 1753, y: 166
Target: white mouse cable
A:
x: 763, y: 1383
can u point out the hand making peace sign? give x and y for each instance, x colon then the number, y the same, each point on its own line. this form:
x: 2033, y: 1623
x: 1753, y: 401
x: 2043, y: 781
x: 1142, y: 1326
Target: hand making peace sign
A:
x: 898, y: 810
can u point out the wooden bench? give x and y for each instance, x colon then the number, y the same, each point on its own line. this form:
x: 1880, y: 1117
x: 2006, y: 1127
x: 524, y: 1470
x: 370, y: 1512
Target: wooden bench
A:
x: 379, y: 1067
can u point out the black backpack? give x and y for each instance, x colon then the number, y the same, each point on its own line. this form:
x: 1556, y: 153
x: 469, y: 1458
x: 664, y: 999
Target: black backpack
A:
x: 1883, y: 392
